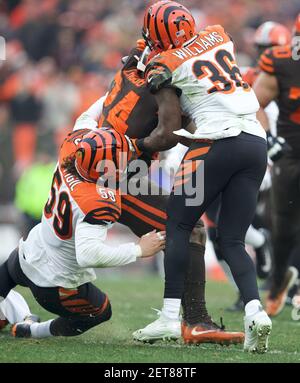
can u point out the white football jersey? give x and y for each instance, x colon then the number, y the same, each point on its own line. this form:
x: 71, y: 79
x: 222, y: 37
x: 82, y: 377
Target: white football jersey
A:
x: 212, y: 91
x: 48, y: 255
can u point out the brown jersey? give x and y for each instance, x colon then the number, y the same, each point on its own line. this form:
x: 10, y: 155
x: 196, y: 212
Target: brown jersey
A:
x: 129, y: 107
x: 278, y: 61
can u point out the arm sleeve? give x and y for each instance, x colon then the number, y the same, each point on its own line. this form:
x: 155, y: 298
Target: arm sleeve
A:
x: 91, y: 251
x: 89, y: 119
x: 158, y: 76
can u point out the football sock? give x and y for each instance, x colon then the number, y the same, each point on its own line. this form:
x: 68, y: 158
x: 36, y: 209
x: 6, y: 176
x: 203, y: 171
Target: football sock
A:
x: 171, y: 308
x: 41, y: 330
x: 254, y: 238
x: 252, y: 307
x: 193, y: 302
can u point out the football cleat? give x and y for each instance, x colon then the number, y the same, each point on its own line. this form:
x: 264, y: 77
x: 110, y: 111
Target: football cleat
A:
x: 22, y: 329
x: 277, y: 297
x: 296, y: 300
x: 209, y: 332
x: 162, y: 328
x: 258, y: 327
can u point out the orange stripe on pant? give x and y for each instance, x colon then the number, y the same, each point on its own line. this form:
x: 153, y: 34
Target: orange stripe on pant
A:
x: 191, y: 167
x: 142, y: 217
x: 196, y: 153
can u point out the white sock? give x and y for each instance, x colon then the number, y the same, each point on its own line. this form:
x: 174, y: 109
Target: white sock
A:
x: 252, y: 307
x: 14, y: 307
x: 171, y: 308
x: 254, y: 237
x: 41, y: 330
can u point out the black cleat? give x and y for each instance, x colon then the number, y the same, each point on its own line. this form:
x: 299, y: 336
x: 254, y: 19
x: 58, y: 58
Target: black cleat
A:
x: 21, y: 330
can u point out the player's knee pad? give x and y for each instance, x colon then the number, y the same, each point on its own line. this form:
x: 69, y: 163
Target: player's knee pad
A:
x: 198, y: 235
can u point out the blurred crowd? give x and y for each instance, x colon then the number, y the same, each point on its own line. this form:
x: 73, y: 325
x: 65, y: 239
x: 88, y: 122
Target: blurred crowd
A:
x: 62, y: 54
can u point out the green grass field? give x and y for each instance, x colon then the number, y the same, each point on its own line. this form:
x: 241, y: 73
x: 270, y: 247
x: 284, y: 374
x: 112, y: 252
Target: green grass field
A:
x: 132, y: 299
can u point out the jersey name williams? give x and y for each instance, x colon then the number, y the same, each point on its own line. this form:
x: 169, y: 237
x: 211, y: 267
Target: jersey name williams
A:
x: 201, y: 45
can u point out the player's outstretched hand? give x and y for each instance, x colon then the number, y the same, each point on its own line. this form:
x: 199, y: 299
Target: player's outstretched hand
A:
x: 152, y: 243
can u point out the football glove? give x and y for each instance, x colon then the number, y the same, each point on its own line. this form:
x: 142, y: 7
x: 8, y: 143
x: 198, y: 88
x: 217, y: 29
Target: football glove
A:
x: 277, y: 147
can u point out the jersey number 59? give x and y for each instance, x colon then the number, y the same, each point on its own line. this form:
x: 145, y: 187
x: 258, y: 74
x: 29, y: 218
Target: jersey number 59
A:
x: 60, y: 202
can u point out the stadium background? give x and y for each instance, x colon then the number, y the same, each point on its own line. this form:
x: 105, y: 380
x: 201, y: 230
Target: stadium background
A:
x: 61, y: 57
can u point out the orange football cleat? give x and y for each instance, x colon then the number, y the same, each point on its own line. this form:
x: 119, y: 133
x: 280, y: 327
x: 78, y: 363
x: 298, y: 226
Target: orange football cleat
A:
x: 277, y: 296
x: 209, y: 333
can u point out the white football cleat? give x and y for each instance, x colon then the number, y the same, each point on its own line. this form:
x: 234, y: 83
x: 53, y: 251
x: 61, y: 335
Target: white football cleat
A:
x: 257, y: 330
x: 162, y: 328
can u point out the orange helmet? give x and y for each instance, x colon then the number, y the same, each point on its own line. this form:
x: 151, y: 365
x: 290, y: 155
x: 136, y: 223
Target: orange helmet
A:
x: 270, y: 34
x: 167, y: 25
x: 102, y: 152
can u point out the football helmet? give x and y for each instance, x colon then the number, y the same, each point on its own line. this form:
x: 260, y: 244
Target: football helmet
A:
x: 103, y: 152
x: 167, y: 25
x: 270, y: 34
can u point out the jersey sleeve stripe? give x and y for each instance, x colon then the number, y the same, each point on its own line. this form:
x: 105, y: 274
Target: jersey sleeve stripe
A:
x: 266, y: 68
x: 143, y: 217
x: 266, y: 60
x: 113, y: 205
x: 146, y: 207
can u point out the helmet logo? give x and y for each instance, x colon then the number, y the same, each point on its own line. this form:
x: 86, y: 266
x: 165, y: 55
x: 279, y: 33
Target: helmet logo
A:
x: 180, y: 33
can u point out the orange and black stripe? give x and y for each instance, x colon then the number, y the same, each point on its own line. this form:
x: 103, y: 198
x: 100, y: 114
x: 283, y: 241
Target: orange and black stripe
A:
x: 157, y: 20
x: 190, y: 164
x: 108, y: 212
x: 145, y: 212
x: 266, y: 63
x: 77, y: 305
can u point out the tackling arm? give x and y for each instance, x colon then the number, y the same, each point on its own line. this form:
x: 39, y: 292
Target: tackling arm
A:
x: 91, y: 251
x: 169, y: 116
x: 89, y: 119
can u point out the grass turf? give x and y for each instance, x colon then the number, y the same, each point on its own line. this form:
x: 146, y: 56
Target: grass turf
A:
x: 132, y: 299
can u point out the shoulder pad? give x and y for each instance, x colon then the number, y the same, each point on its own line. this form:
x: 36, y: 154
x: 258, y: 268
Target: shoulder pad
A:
x: 158, y: 76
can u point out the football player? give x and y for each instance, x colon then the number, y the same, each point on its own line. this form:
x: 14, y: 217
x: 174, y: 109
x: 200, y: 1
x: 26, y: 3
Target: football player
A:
x: 197, y: 73
x: 57, y: 259
x: 130, y: 108
x: 267, y: 35
x: 279, y: 80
